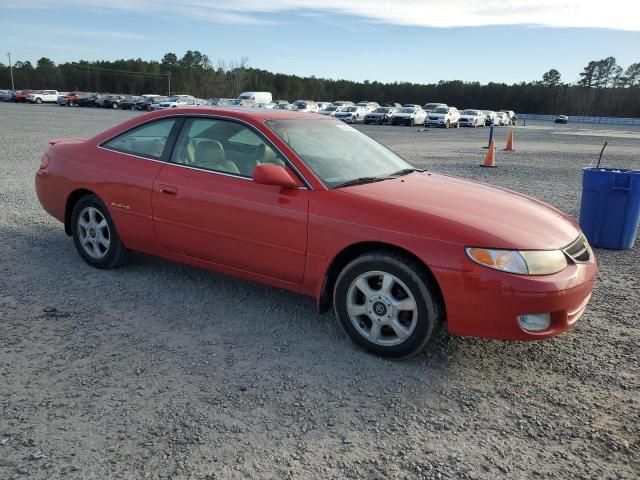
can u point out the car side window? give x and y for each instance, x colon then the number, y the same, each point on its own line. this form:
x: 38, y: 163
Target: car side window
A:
x: 148, y: 140
x: 222, y: 146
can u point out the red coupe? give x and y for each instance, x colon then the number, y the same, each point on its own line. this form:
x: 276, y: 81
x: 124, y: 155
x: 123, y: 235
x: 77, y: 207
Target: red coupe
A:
x: 309, y: 204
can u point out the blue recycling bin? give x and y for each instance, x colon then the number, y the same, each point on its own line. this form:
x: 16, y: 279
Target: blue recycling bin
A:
x: 610, y: 208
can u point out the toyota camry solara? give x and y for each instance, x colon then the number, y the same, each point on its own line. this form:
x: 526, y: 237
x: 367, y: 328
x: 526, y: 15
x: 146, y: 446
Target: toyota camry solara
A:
x: 309, y: 204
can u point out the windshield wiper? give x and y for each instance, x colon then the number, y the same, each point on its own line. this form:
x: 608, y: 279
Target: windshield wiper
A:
x: 404, y: 171
x: 363, y: 180
x: 359, y: 181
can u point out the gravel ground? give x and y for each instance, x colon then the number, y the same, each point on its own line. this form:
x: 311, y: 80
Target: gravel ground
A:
x: 160, y: 370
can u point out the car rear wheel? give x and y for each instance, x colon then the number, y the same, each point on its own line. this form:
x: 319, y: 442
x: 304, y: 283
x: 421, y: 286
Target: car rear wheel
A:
x: 38, y: 101
x: 411, y: 122
x: 447, y: 124
x: 95, y: 235
x: 387, y: 304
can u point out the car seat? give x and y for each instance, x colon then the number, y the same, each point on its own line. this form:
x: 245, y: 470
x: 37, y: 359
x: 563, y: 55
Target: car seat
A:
x: 209, y: 154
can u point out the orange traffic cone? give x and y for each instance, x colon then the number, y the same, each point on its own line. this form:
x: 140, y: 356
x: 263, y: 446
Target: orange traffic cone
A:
x: 490, y: 157
x: 509, y: 147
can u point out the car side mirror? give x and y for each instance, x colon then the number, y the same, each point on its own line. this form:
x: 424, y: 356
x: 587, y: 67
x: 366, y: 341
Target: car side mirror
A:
x: 274, y: 175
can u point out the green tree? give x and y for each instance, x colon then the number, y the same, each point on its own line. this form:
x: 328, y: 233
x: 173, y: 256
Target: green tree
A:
x: 551, y: 78
x: 587, y: 75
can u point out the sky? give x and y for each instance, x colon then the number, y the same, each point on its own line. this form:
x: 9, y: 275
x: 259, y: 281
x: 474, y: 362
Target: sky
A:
x: 421, y: 41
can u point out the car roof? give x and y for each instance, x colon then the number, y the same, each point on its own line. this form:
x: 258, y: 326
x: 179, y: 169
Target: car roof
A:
x: 244, y: 113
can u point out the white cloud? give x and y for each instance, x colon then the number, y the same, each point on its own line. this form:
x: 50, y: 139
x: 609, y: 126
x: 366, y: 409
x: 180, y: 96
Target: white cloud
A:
x: 78, y: 32
x: 615, y: 14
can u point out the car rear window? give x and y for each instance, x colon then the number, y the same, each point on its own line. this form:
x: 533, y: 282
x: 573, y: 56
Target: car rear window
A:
x: 148, y: 140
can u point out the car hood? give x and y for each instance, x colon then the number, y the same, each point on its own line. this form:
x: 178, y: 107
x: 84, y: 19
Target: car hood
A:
x: 458, y: 210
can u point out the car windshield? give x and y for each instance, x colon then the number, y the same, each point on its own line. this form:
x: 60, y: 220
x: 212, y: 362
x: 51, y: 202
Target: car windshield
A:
x: 350, y: 109
x: 469, y: 112
x: 407, y: 110
x: 441, y: 110
x: 338, y: 153
x: 431, y: 106
x: 382, y: 110
x: 330, y: 109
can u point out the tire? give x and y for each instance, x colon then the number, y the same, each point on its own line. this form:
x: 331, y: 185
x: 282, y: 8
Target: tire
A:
x: 411, y: 122
x: 38, y: 100
x: 114, y: 105
x: 458, y: 124
x: 111, y: 253
x: 407, y: 281
x: 447, y: 124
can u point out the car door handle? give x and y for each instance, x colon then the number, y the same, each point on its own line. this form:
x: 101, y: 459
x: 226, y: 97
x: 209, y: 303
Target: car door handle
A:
x: 168, y: 190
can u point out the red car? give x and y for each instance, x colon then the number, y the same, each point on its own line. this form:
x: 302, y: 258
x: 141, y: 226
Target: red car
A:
x: 309, y: 204
x: 21, y: 97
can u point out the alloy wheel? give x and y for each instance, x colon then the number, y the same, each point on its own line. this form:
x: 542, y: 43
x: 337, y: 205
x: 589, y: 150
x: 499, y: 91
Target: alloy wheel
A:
x: 93, y: 232
x: 382, y: 308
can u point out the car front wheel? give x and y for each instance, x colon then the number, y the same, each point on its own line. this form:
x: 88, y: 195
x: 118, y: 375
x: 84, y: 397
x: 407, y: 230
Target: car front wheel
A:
x: 95, y: 235
x: 387, y: 304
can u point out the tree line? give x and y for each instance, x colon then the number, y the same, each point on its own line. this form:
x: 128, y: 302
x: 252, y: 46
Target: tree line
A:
x: 603, y: 89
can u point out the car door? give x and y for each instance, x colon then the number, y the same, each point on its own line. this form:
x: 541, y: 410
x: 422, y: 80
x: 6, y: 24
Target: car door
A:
x: 128, y: 164
x: 206, y: 206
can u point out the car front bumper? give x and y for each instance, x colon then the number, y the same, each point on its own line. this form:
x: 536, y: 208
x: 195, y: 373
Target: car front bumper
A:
x: 483, y: 302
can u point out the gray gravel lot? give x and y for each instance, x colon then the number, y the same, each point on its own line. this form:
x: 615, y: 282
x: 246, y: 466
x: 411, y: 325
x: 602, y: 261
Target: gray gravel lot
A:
x: 160, y: 370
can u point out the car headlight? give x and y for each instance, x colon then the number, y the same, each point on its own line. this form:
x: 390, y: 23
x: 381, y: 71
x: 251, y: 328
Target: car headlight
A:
x: 525, y: 262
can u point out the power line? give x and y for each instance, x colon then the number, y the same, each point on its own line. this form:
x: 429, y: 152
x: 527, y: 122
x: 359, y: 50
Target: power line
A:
x: 114, y: 71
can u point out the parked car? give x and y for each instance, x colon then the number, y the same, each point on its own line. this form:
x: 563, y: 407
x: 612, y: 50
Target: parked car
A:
x: 409, y: 116
x: 502, y: 119
x: 323, y: 105
x: 352, y: 114
x: 392, y: 104
x: 305, y: 106
x: 177, y: 101
x: 90, y: 100
x: 282, y: 105
x: 148, y: 104
x: 380, y: 115
x: 331, y: 110
x: 256, y: 98
x: 429, y: 107
x: 489, y: 117
x: 396, y: 251
x: 561, y: 119
x: 411, y: 105
x: 8, y: 96
x: 444, y: 117
x: 472, y: 118
x: 343, y: 103
x: 114, y: 101
x: 43, y: 96
x: 512, y: 115
x: 368, y: 106
x: 72, y: 99
x: 128, y: 103
x: 21, y: 96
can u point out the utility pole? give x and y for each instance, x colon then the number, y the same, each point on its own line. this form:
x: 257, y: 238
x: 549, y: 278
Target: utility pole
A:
x: 11, y: 71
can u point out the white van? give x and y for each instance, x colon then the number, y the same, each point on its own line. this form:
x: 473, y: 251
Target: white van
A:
x: 256, y: 97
